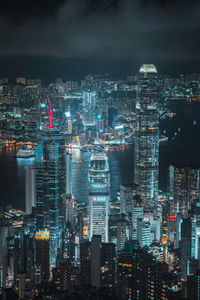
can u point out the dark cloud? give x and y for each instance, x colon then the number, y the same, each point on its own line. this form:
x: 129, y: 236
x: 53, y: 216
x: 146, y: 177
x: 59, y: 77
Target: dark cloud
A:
x: 106, y: 29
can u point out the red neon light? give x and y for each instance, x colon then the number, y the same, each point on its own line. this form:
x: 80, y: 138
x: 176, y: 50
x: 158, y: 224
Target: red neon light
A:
x: 50, y: 117
x: 172, y: 217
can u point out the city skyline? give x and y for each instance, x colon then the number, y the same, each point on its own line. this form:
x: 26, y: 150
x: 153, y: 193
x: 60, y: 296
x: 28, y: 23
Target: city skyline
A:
x: 99, y: 150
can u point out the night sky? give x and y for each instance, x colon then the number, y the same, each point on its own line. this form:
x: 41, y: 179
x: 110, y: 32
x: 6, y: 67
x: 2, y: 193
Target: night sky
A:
x: 74, y: 37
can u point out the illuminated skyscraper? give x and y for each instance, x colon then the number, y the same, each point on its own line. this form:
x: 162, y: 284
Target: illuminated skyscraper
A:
x: 99, y: 195
x: 147, y: 136
x: 42, y: 252
x: 184, y: 185
x: 3, y: 253
x: 51, y: 184
x: 68, y: 174
x: 71, y: 210
x: 195, y: 229
x: 127, y: 192
x: 137, y: 213
x: 89, y: 104
x: 30, y: 191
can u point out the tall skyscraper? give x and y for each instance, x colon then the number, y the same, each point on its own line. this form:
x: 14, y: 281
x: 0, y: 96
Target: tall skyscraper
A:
x: 184, y: 185
x: 51, y: 184
x: 137, y: 213
x: 122, y: 233
x: 3, y: 253
x: 97, y: 262
x: 99, y: 195
x: 68, y: 174
x: 30, y: 190
x: 147, y: 136
x: 42, y: 253
x: 89, y: 104
x: 71, y: 210
x: 127, y: 192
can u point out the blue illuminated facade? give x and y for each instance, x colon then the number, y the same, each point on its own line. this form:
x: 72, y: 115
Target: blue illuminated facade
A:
x: 99, y: 196
x: 51, y: 186
x: 147, y: 136
x: 89, y: 105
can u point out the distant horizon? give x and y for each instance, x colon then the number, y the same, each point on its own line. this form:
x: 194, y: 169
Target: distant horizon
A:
x: 48, y: 68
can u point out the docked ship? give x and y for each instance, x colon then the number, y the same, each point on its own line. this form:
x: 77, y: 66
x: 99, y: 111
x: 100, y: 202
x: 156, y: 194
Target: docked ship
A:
x: 25, y: 153
x: 163, y: 139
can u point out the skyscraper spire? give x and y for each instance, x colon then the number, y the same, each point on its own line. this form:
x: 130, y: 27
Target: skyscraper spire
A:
x: 50, y: 117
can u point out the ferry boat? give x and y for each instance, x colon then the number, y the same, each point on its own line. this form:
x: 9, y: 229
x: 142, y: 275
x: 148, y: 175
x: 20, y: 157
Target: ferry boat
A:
x: 163, y: 139
x: 25, y: 153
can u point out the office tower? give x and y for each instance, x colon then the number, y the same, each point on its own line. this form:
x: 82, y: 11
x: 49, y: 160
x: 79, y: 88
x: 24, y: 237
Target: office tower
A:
x: 127, y: 192
x: 42, y: 252
x: 68, y: 174
x: 179, y: 221
x: 51, y: 184
x: 11, y: 260
x: 85, y: 262
x: 193, y: 286
x: 100, y: 125
x: 185, y: 247
x: 3, y: 253
x: 137, y: 213
x: 68, y: 242
x: 122, y: 232
x: 143, y: 233
x: 147, y: 136
x: 25, y: 252
x: 97, y: 263
x: 95, y: 260
x: 195, y: 228
x: 71, y: 210
x: 184, y: 185
x: 99, y: 195
x: 165, y: 221
x: 89, y: 106
x: 30, y: 190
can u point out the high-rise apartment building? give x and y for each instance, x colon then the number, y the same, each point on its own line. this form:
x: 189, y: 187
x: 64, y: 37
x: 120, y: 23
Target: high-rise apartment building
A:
x: 51, y: 184
x: 147, y: 136
x: 97, y: 262
x: 140, y: 277
x: 99, y: 195
x: 30, y: 190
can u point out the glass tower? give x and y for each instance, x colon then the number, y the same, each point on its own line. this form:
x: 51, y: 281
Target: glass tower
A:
x: 184, y: 185
x: 89, y: 104
x: 147, y: 136
x: 51, y: 184
x: 99, y: 195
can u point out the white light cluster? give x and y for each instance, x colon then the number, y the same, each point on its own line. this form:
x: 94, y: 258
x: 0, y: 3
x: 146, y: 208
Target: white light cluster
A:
x: 148, y: 69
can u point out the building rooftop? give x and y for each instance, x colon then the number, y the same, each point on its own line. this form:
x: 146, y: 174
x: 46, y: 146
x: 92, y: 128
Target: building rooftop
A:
x: 147, y: 68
